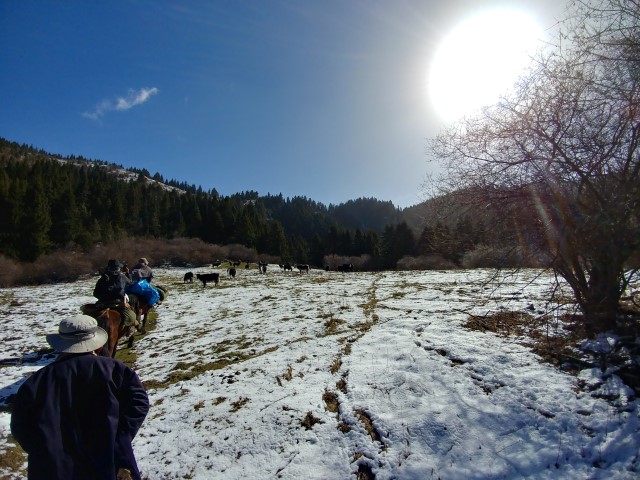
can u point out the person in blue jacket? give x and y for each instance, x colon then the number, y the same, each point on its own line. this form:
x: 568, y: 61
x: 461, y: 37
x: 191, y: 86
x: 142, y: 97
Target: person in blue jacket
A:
x: 76, y: 417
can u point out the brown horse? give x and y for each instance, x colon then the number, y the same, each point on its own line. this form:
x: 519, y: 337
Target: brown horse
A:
x: 141, y: 307
x: 109, y: 319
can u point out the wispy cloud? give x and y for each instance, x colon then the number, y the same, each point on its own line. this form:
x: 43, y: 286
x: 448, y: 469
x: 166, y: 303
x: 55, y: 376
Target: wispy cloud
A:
x: 120, y: 104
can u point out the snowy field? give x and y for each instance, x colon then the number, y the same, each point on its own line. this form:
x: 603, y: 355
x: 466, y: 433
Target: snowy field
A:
x: 343, y: 376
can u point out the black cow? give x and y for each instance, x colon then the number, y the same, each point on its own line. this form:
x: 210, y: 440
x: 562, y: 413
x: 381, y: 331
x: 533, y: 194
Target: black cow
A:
x: 208, y: 277
x: 262, y: 267
x: 232, y: 272
x: 345, y: 267
x: 303, y: 267
x: 188, y: 277
x: 287, y: 266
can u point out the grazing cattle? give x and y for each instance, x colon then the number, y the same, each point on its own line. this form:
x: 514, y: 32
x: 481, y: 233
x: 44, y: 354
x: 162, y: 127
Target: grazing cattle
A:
x: 217, y: 263
x: 208, y: 277
x: 232, y: 272
x: 188, y: 277
x: 262, y: 266
x: 236, y: 263
x: 287, y: 266
x: 303, y: 267
x: 345, y: 267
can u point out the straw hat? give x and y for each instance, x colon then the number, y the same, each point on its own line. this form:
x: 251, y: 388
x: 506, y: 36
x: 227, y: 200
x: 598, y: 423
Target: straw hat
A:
x: 78, y: 334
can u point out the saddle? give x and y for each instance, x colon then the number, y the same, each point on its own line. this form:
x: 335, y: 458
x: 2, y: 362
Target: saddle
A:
x: 123, y: 308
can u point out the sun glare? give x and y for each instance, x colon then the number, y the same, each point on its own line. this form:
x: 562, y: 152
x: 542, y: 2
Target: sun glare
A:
x: 480, y: 59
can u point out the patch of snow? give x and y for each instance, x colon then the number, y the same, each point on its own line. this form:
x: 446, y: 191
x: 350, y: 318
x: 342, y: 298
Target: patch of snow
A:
x: 239, y: 375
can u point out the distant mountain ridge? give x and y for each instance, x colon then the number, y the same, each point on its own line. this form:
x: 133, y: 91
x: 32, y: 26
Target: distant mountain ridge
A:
x: 360, y: 213
x: 56, y: 201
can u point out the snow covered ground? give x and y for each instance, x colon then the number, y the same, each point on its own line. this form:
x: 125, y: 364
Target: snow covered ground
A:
x: 325, y: 375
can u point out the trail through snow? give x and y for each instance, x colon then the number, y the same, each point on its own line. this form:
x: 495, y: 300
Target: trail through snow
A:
x: 278, y: 375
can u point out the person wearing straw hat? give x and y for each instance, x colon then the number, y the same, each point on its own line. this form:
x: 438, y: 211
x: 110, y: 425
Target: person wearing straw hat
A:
x: 76, y: 417
x: 143, y: 270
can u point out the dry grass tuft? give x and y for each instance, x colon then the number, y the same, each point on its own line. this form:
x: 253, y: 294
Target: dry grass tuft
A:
x: 238, y: 404
x: 13, y: 458
x: 335, y: 365
x: 343, y: 427
x: 368, y: 425
x: 331, y: 402
x: 504, y: 323
x: 186, y: 371
x: 364, y: 472
x: 341, y: 384
x: 331, y: 326
x: 309, y: 421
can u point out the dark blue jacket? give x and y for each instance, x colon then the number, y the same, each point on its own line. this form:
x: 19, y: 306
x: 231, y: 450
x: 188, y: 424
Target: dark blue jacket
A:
x: 110, y: 287
x: 76, y: 418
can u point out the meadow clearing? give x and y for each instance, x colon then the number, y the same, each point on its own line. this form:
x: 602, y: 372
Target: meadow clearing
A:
x: 326, y: 375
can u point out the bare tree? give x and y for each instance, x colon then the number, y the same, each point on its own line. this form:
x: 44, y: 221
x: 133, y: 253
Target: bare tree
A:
x: 560, y: 156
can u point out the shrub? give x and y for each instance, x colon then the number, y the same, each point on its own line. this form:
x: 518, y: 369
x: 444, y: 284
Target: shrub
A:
x: 425, y: 262
x: 9, y: 271
x: 484, y: 256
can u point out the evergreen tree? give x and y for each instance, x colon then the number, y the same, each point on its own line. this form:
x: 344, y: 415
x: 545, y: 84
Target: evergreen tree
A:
x: 316, y: 251
x: 277, y: 241
x: 65, y: 217
x: 34, y: 223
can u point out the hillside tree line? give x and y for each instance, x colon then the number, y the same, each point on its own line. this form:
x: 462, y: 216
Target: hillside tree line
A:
x: 48, y: 203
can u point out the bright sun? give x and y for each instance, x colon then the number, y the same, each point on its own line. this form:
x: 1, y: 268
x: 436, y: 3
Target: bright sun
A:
x: 481, y: 59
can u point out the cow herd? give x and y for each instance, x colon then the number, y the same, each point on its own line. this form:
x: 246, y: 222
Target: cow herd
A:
x: 262, y: 268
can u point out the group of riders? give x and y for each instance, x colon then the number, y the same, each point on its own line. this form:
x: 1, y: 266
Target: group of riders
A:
x: 122, y: 289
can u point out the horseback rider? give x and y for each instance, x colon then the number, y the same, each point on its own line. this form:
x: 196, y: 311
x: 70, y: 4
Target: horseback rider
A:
x: 110, y: 292
x: 142, y: 270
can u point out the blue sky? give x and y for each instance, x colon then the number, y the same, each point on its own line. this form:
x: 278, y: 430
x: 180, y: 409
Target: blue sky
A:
x: 325, y: 99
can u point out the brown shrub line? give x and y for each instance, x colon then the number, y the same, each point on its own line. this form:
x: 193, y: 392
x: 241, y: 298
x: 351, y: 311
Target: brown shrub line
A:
x: 70, y: 264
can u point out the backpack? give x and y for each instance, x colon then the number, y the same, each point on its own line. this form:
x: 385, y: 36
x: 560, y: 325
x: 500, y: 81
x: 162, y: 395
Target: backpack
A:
x: 109, y: 288
x: 144, y: 290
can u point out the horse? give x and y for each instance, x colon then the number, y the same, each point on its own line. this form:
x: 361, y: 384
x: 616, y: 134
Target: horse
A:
x: 141, y: 307
x: 109, y: 320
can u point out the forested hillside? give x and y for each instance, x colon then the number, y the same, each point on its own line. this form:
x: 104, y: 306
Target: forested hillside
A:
x: 48, y: 202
